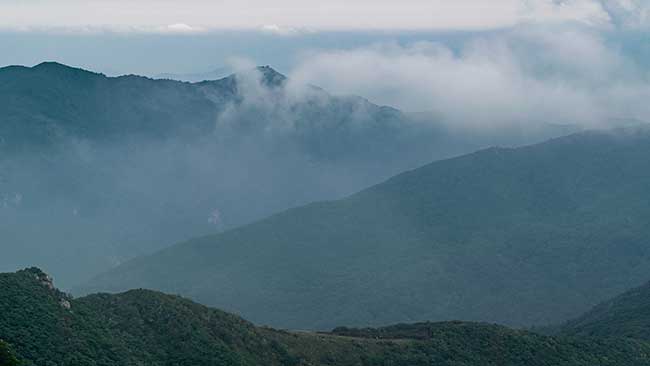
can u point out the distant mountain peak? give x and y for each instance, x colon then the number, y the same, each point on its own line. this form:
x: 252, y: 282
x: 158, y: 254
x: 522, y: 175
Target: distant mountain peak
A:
x: 268, y: 70
x: 51, y: 64
x: 57, y: 68
x: 42, y: 277
x: 270, y: 77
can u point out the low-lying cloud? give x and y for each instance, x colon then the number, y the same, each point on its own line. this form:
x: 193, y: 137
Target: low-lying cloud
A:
x: 561, y: 74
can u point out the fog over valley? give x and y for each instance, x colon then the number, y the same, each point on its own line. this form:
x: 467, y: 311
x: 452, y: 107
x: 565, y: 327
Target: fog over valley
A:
x: 190, y: 159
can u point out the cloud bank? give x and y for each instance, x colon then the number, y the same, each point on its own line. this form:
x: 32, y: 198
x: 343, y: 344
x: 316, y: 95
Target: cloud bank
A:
x: 566, y: 75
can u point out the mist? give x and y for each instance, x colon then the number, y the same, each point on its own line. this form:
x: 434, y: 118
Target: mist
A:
x: 79, y: 202
x: 214, y: 155
x: 567, y: 74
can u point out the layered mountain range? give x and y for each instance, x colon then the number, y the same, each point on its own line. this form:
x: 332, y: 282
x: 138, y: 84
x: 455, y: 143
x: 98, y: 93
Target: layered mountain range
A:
x: 115, y: 167
x: 388, y: 238
x: 519, y: 236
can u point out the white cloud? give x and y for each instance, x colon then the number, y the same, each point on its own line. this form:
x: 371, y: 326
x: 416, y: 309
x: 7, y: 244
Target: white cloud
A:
x: 181, y: 28
x: 280, y: 30
x: 628, y: 13
x: 559, y: 75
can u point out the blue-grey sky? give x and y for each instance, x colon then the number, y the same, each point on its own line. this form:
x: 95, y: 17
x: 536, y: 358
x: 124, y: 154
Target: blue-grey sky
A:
x: 287, y: 16
x: 152, y: 53
x: 166, y: 36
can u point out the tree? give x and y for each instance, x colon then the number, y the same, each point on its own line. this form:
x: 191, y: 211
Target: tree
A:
x: 7, y: 356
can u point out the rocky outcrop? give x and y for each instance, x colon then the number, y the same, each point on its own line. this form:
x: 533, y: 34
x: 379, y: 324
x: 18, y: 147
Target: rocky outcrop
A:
x: 47, y: 281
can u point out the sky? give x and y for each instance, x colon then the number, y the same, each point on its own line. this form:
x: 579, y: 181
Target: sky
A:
x: 573, y: 60
x: 286, y: 16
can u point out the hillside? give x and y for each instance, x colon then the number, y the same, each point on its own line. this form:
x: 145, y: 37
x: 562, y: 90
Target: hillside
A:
x: 137, y: 327
x: 626, y: 315
x: 116, y: 167
x: 43, y: 326
x: 47, y: 105
x: 531, y: 235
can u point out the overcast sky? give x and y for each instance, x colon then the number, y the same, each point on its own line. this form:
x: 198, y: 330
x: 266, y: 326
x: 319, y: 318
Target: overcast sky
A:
x: 150, y: 37
x: 285, y: 16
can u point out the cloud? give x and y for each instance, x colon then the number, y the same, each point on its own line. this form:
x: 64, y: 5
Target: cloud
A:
x: 627, y: 13
x: 588, y: 12
x: 280, y: 30
x: 621, y: 14
x: 529, y: 74
x: 181, y: 28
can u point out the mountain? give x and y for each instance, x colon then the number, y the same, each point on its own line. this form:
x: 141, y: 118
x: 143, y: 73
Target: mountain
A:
x: 49, y: 103
x: 115, y: 167
x: 215, y: 74
x: 626, y: 315
x: 43, y: 326
x: 47, y: 327
x: 518, y: 236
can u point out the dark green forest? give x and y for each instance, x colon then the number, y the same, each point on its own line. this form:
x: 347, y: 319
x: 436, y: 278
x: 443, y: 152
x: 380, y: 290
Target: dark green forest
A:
x: 625, y: 316
x: 7, y: 355
x: 41, y: 325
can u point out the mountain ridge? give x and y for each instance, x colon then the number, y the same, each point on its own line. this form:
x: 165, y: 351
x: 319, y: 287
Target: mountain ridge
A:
x: 156, y: 107
x: 152, y: 328
x: 625, y: 316
x: 456, y: 239
x: 76, y: 146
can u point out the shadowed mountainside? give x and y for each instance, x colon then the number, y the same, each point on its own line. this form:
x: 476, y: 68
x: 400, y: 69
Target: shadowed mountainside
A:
x: 626, y: 315
x: 531, y: 235
x: 116, y: 167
